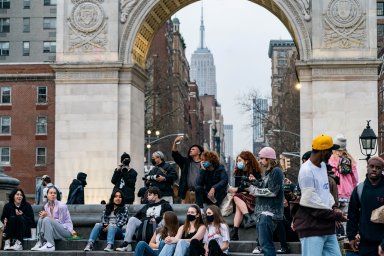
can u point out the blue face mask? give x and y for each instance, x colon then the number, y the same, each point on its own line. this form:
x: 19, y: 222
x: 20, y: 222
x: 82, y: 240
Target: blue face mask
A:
x: 240, y: 165
x: 206, y: 164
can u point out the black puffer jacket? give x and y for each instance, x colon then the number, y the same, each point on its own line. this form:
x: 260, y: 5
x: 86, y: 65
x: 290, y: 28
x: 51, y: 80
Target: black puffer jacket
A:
x: 170, y: 174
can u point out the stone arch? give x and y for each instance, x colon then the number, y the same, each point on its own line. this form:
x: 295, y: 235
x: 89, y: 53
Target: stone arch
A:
x: 145, y: 18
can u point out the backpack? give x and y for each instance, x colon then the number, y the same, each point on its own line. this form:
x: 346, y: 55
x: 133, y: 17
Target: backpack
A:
x: 345, y: 165
x: 145, y: 231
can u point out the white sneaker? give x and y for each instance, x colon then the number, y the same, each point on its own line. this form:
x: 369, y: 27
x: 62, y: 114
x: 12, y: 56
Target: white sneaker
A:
x: 7, y: 244
x: 37, y: 246
x: 47, y: 247
x: 89, y: 246
x: 257, y: 250
x: 109, y: 248
x: 17, y: 246
x: 125, y: 247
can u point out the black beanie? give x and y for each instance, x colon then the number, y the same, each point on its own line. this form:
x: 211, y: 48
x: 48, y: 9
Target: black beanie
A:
x: 123, y: 156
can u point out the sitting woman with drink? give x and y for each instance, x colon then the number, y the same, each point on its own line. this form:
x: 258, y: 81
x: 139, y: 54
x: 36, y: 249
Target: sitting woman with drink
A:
x: 18, y: 220
x: 54, y: 223
x: 193, y: 228
x: 115, y: 216
x: 246, y: 170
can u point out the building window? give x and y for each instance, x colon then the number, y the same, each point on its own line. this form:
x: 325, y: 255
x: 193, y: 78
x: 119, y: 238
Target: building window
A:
x: 5, y: 155
x: 27, y: 4
x: 41, y: 125
x: 4, y: 48
x: 5, y: 4
x: 26, y: 25
x: 41, y: 156
x: 5, y: 95
x: 281, y: 63
x: 49, y: 23
x: 42, y: 94
x: 25, y: 48
x: 5, y: 123
x: 49, y: 47
x: 380, y: 30
x: 380, y: 9
x: 50, y: 2
x: 4, y: 25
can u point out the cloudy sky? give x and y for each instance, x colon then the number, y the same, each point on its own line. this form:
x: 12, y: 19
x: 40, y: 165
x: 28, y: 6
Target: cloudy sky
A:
x: 237, y: 32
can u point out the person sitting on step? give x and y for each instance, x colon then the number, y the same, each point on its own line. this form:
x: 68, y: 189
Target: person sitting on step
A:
x: 115, y: 216
x: 193, y: 228
x: 54, y: 223
x: 18, y: 220
x: 246, y: 170
x: 153, y: 211
x: 156, y: 245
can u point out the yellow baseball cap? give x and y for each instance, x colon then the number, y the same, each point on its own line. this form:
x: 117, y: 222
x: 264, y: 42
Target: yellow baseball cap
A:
x: 324, y: 142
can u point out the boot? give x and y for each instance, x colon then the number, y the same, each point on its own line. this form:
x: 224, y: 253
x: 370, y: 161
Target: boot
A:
x: 249, y: 222
x: 234, y: 234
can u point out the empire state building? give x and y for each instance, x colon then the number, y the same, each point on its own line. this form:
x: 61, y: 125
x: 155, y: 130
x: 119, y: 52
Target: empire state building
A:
x: 203, y: 69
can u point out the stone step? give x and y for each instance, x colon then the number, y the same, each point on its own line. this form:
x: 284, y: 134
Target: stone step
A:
x: 75, y: 247
x: 102, y: 253
x: 78, y: 246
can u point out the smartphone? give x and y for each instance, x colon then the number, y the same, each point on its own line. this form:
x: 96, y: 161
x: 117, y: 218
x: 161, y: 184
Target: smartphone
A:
x: 178, y: 142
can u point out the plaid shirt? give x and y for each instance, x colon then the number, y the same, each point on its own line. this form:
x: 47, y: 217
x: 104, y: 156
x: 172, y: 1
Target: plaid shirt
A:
x: 121, y: 216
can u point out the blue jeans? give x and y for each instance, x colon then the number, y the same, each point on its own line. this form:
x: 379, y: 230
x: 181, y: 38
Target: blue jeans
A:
x: 320, y: 246
x: 111, y: 233
x: 168, y: 250
x: 143, y: 249
x: 265, y: 228
x: 181, y: 248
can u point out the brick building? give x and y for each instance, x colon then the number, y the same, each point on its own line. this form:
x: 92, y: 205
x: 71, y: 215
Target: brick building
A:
x: 27, y: 117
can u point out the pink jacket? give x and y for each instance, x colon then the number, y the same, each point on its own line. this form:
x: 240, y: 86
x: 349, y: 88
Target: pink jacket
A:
x: 347, y: 182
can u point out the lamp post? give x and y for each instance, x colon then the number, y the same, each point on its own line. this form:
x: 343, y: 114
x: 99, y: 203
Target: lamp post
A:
x: 283, y: 131
x: 368, y: 141
x: 149, y: 132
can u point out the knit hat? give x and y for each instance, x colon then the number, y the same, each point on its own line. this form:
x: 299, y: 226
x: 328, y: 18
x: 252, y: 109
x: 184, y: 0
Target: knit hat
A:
x: 375, y: 160
x: 324, y: 142
x: 267, y: 152
x: 123, y: 156
x: 159, y: 154
x: 341, y: 141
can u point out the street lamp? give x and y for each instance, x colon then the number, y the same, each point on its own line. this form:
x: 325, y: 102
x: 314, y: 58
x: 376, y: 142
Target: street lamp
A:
x: 283, y: 131
x: 368, y: 141
x: 149, y: 132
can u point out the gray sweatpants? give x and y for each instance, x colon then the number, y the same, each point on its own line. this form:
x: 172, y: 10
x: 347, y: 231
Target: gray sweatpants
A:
x: 132, y: 225
x: 52, y: 230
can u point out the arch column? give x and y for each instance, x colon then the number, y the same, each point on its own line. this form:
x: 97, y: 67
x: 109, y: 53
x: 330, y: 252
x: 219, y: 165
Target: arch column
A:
x: 338, y: 97
x: 99, y: 114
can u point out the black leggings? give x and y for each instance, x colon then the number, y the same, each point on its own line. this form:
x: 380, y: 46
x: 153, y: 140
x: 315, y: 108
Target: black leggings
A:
x: 16, y: 228
x: 196, y: 248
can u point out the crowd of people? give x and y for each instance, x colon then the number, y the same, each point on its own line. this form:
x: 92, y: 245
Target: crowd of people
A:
x: 327, y: 204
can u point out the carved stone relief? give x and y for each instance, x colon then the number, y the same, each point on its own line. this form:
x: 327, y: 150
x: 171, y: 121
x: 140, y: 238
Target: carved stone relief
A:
x: 304, y: 4
x: 126, y: 7
x: 87, y: 24
x: 344, y: 25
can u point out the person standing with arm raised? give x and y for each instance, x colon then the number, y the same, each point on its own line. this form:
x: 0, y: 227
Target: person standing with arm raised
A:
x: 190, y: 167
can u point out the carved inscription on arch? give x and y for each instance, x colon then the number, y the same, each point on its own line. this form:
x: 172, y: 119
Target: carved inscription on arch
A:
x: 87, y: 24
x: 344, y: 25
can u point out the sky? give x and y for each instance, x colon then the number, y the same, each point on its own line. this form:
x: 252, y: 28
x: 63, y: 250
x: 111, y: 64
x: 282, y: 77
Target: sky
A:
x: 237, y: 32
